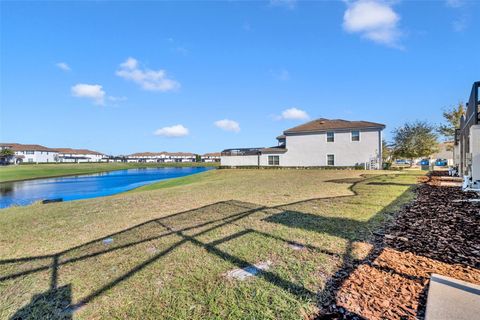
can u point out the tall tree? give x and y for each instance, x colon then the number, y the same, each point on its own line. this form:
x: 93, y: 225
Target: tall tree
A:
x: 415, y: 140
x: 452, y: 121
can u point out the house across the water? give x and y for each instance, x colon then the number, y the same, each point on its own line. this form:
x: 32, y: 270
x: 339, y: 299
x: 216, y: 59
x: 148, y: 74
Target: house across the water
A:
x: 79, y: 155
x: 35, y: 153
x: 161, y: 157
x: 318, y: 143
x: 32, y: 153
x: 211, y: 157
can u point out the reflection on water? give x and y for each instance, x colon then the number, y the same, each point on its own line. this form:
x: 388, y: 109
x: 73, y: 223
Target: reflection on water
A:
x: 86, y: 186
x: 6, y: 188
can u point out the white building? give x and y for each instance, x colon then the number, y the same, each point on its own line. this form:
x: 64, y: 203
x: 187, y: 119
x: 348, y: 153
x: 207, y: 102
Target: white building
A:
x: 31, y: 153
x: 318, y: 143
x: 146, y: 157
x: 211, y: 157
x: 79, y: 155
x: 161, y: 157
x: 181, y: 156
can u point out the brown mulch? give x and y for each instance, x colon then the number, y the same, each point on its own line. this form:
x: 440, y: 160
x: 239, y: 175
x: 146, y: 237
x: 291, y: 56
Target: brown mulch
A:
x: 431, y: 235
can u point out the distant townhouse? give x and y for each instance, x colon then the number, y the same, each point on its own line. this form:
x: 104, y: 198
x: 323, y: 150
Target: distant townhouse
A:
x: 182, y: 156
x: 161, y: 157
x: 79, y: 155
x: 147, y: 157
x: 318, y: 143
x: 30, y: 153
x: 211, y: 157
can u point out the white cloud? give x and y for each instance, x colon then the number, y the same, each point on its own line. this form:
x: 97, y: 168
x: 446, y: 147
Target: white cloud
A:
x: 289, y: 4
x: 172, y: 132
x: 293, y: 114
x: 148, y: 79
x: 454, y: 3
x: 228, y: 125
x: 63, y: 65
x: 89, y: 91
x: 374, y: 20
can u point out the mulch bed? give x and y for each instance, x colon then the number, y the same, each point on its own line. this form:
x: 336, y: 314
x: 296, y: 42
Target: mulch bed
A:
x: 431, y: 235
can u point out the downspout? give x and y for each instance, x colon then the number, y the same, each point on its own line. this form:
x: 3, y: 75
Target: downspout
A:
x: 258, y: 159
x: 380, y: 152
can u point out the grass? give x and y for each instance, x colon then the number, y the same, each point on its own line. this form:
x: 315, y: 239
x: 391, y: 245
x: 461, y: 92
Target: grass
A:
x: 34, y: 171
x: 173, y: 244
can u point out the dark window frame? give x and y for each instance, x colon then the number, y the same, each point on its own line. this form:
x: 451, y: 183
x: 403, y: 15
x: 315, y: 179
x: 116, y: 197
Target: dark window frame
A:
x: 356, y: 136
x: 332, y: 137
x: 332, y: 160
x: 273, y: 160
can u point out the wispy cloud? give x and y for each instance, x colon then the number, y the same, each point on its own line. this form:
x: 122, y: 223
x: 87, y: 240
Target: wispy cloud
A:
x: 152, y: 80
x: 288, y: 4
x: 63, y: 66
x: 293, y: 114
x: 460, y: 24
x: 460, y: 10
x: 228, y: 125
x: 454, y: 3
x: 175, y: 131
x: 93, y: 92
x: 374, y: 20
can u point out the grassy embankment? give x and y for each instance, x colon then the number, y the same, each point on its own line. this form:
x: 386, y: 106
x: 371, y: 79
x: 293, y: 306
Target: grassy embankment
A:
x: 33, y: 171
x: 171, y: 247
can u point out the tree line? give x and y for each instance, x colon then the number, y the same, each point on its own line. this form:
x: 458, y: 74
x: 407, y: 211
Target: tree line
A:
x: 419, y: 139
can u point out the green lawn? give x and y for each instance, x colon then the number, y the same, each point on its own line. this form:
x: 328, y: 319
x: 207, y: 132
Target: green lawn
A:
x: 33, y: 171
x: 172, y: 245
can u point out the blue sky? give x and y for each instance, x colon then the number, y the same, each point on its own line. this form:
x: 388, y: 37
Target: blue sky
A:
x: 124, y: 77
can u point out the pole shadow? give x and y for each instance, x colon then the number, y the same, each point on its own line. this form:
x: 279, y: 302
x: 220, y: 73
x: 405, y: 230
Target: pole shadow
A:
x: 56, y: 303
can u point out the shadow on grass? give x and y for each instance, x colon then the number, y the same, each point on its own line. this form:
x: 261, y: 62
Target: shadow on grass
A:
x: 56, y: 302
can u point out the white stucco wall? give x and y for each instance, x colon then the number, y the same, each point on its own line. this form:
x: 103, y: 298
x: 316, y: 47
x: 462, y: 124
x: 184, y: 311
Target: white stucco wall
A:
x: 475, y: 150
x: 67, y: 157
x: 239, y: 160
x: 312, y: 149
x: 37, y: 156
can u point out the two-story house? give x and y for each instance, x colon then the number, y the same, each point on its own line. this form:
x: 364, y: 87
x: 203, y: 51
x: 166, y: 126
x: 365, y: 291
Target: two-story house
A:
x: 318, y: 143
x: 31, y: 153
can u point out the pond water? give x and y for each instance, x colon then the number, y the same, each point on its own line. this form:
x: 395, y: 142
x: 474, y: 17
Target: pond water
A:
x: 86, y: 186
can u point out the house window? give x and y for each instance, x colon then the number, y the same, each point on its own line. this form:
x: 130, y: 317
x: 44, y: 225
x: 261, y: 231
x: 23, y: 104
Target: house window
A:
x: 30, y: 152
x: 273, y: 160
x: 330, y: 136
x: 30, y: 160
x: 330, y: 160
x: 356, y: 135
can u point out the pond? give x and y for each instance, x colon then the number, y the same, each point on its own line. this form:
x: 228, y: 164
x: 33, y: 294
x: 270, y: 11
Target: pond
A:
x: 86, y: 186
